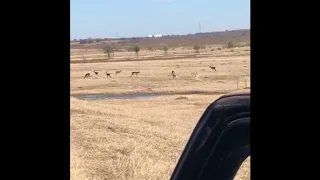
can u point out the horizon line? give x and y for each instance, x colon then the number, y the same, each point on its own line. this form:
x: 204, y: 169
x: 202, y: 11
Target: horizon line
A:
x: 130, y: 37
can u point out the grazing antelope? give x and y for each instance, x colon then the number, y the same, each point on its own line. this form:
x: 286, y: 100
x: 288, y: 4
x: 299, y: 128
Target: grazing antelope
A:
x: 108, y: 74
x: 87, y: 75
x: 195, y: 75
x: 135, y: 72
x: 213, y: 68
x: 118, y: 72
x: 96, y: 72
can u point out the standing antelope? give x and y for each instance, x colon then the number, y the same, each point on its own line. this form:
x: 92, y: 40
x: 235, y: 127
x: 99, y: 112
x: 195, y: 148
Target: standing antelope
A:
x: 96, y: 72
x: 213, y: 68
x: 173, y: 75
x: 135, y: 72
x: 108, y: 74
x: 194, y: 75
x: 118, y: 72
x: 87, y: 75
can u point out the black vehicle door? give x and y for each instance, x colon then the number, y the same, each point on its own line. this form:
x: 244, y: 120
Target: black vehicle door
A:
x: 220, y: 141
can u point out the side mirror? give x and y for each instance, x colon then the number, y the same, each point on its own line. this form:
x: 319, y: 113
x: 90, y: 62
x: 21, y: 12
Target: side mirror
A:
x: 220, y: 141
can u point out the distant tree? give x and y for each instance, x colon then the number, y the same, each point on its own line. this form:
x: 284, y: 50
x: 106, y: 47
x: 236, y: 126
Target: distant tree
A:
x: 113, y: 48
x: 136, y: 49
x: 107, y: 49
x: 90, y: 40
x: 98, y: 40
x: 196, y: 48
x: 165, y: 49
x: 83, y: 41
x: 230, y: 45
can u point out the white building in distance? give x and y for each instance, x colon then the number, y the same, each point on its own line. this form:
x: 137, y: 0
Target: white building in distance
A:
x: 155, y: 36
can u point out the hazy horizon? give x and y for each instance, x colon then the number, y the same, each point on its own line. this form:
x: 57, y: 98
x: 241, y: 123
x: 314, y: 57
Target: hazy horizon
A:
x: 161, y: 34
x: 125, y: 19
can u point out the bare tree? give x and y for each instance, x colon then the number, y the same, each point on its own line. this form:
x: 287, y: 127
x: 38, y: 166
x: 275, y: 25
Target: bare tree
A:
x: 136, y: 49
x: 196, y: 48
x: 230, y: 45
x: 165, y: 48
x: 113, y: 48
x: 107, y: 49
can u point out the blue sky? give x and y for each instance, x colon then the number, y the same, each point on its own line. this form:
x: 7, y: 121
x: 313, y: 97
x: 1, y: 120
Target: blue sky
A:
x: 132, y: 18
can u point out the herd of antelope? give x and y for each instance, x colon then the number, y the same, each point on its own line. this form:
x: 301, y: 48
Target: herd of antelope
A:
x: 87, y: 75
x: 194, y: 75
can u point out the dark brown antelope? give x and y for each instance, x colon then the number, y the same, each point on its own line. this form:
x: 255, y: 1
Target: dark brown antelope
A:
x: 135, y: 72
x: 108, y: 74
x: 213, y: 68
x: 87, y: 75
x: 96, y: 72
x: 173, y: 74
x: 118, y: 72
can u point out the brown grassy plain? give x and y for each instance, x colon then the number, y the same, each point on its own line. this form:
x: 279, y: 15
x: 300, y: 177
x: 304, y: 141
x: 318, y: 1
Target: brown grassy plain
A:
x: 142, y: 139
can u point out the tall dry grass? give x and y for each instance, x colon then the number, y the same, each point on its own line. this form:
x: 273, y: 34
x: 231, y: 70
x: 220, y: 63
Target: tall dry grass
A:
x: 142, y: 139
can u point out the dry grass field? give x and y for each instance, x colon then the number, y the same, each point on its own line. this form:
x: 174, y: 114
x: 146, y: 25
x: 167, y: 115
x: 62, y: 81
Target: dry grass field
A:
x: 142, y: 139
